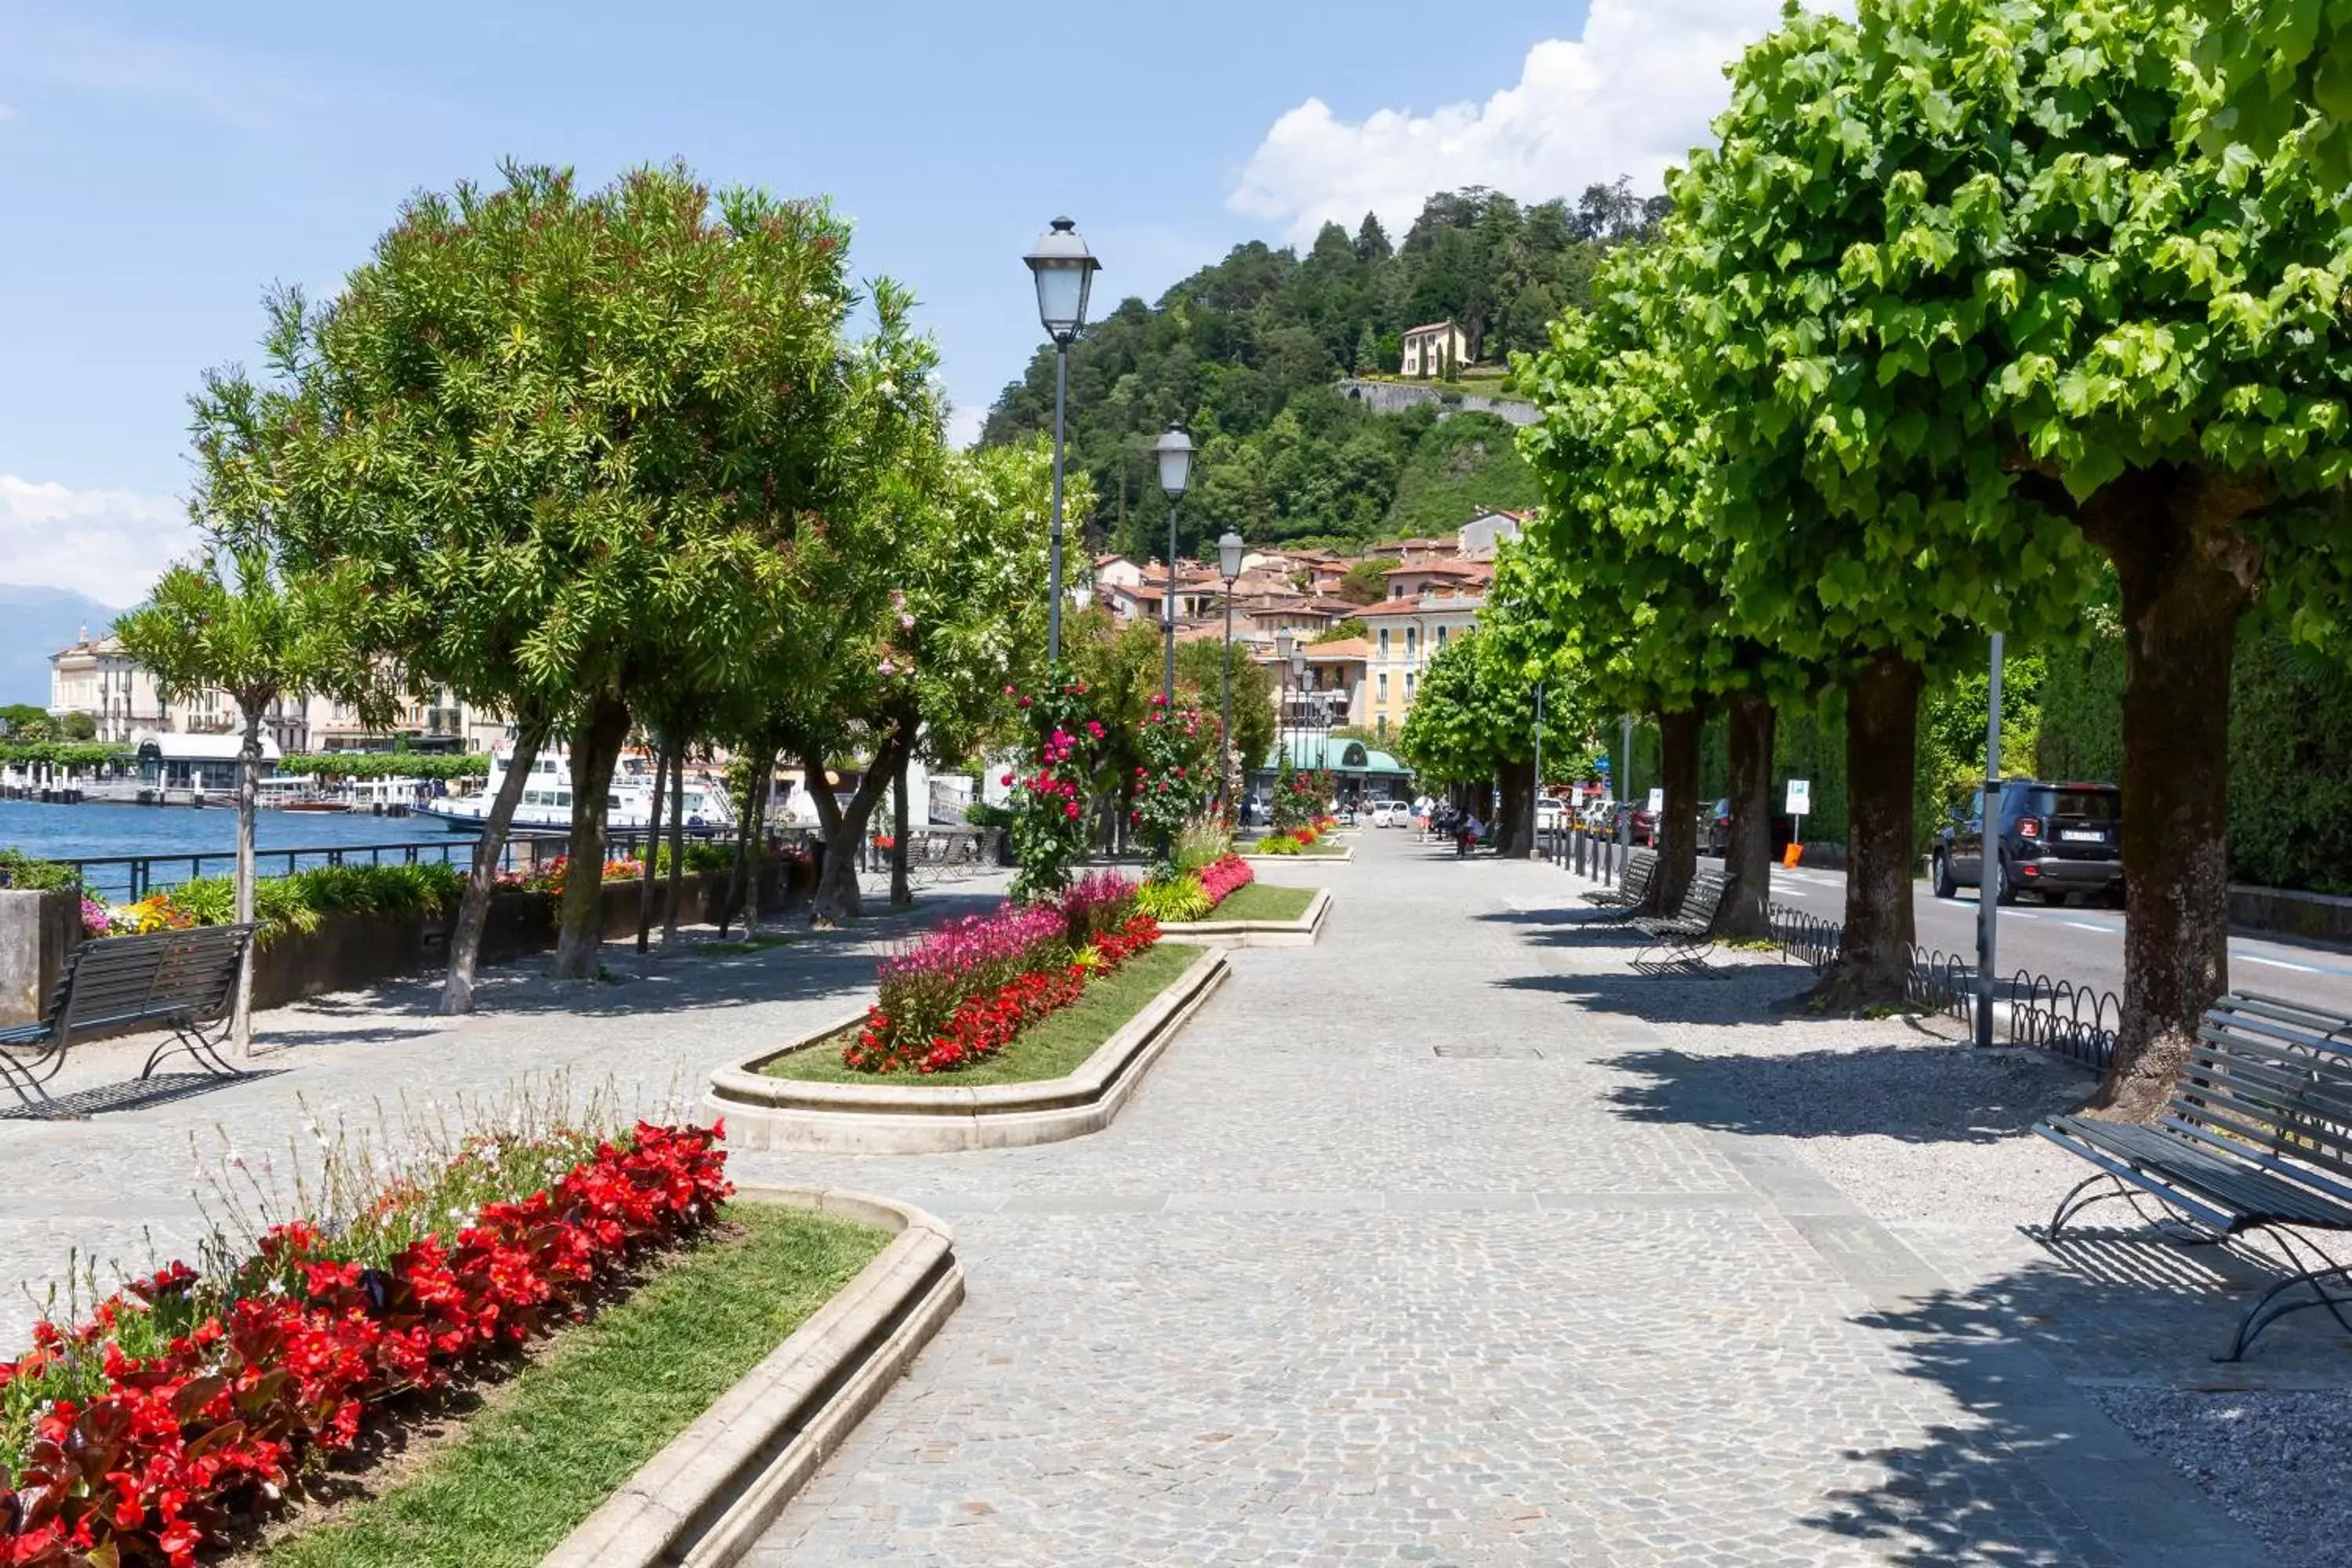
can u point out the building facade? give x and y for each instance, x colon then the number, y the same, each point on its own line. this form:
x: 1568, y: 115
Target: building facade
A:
x: 1433, y: 350
x: 1405, y: 635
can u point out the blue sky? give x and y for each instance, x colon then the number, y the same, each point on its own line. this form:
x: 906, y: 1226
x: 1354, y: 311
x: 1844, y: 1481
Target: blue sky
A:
x: 161, y: 165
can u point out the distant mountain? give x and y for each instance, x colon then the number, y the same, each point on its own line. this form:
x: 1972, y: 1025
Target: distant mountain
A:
x: 34, y: 623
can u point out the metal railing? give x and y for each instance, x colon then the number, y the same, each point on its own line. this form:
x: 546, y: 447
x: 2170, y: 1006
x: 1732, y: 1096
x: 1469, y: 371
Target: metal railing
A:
x: 2077, y: 1021
x: 132, y: 876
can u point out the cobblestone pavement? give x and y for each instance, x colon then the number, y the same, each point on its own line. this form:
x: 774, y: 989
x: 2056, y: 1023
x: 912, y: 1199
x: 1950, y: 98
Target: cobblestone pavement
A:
x: 1447, y: 1240
x: 1451, y: 1240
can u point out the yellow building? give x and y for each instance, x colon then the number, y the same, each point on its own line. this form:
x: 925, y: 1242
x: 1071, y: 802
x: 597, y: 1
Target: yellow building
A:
x: 1405, y: 634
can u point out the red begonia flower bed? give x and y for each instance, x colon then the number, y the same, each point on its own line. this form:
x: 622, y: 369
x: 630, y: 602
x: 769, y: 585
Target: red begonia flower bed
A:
x: 986, y: 1022
x: 1226, y: 877
x: 306, y: 1345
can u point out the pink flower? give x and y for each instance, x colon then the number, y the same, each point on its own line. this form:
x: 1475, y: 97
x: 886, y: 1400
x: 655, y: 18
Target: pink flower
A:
x: 1071, y: 809
x: 1005, y: 780
x: 907, y: 623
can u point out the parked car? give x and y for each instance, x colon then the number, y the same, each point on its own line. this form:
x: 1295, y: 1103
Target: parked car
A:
x: 1550, y: 814
x: 2053, y: 839
x: 1388, y: 814
x: 1715, y: 828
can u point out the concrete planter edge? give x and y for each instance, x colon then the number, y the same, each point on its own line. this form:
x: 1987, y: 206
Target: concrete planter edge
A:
x: 883, y: 1117
x: 706, y: 1497
x: 1300, y: 932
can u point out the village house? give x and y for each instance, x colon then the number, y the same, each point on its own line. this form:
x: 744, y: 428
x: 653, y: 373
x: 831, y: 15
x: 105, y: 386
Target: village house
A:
x: 1431, y: 351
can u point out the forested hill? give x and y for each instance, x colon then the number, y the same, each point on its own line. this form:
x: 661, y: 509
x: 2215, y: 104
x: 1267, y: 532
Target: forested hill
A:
x: 1249, y: 351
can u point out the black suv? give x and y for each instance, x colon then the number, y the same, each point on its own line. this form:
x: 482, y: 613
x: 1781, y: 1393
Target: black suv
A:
x: 2054, y: 839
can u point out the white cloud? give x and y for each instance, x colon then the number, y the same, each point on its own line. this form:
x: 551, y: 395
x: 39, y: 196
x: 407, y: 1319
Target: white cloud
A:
x: 108, y: 544
x: 1631, y: 96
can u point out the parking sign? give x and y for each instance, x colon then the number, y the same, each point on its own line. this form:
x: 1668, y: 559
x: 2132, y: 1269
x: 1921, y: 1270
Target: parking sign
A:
x: 1801, y: 796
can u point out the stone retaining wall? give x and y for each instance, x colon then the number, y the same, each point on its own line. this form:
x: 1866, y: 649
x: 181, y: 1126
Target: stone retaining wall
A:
x: 346, y: 953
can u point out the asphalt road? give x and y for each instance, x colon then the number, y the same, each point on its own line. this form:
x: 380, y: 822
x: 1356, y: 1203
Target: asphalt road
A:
x: 2084, y: 945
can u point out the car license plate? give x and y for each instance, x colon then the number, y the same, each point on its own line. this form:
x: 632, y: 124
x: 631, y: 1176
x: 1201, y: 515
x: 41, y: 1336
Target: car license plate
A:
x: 2073, y: 835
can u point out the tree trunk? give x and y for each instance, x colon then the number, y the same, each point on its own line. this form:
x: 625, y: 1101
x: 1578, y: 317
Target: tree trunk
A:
x: 747, y: 827
x: 2187, y: 576
x: 1882, y: 729
x: 1680, y: 735
x: 248, y: 803
x: 595, y: 749
x: 902, y: 894
x: 1514, y: 837
x: 676, y: 844
x: 474, y: 909
x: 653, y: 848
x: 838, y: 895
x: 1747, y: 856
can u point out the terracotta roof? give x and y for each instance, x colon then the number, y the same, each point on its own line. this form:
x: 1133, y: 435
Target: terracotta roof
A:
x: 1392, y: 607
x: 1341, y: 649
x: 1429, y: 327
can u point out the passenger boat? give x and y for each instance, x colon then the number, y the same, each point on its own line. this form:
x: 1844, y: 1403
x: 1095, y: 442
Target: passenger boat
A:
x: 546, y: 803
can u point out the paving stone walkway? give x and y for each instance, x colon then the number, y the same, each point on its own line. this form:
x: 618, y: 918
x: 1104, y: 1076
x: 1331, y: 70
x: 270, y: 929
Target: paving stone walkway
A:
x: 1452, y: 1241
x: 1448, y: 1240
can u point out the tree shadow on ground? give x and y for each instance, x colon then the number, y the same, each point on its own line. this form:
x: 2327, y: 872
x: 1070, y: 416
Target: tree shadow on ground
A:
x: 2028, y: 1468
x: 1737, y: 994
x: 813, y: 964
x: 1919, y: 1094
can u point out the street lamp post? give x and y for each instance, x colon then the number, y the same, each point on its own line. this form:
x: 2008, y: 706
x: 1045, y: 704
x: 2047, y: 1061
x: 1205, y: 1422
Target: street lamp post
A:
x: 1174, y: 449
x: 1065, y: 271
x: 1282, y: 641
x: 1987, y: 859
x: 1229, y: 565
x: 1296, y: 657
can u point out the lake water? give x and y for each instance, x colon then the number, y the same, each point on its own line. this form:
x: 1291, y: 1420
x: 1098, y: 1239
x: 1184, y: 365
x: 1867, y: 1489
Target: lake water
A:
x: 90, y: 832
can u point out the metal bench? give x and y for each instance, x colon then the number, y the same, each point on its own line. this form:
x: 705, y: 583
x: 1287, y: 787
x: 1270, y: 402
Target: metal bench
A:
x: 184, y: 981
x: 2258, y: 1136
x: 1682, y: 938
x: 1641, y: 866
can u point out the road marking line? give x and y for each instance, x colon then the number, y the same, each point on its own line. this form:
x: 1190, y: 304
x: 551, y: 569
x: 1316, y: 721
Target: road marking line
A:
x: 2086, y: 925
x: 2281, y: 963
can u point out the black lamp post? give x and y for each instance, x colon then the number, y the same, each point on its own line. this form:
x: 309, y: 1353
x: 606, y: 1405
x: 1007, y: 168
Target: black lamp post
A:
x: 1174, y: 449
x: 1282, y: 640
x: 1065, y: 272
x: 1229, y: 564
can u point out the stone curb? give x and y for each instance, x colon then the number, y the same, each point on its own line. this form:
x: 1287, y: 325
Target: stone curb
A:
x: 765, y: 1112
x: 1308, y: 858
x: 1300, y: 932
x: 706, y: 1498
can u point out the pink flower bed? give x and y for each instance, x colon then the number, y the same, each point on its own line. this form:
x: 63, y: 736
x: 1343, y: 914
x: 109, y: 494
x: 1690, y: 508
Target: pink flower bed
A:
x: 1221, y: 880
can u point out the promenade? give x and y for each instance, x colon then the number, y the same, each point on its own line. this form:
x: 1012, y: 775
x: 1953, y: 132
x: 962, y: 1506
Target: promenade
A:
x: 1447, y: 1240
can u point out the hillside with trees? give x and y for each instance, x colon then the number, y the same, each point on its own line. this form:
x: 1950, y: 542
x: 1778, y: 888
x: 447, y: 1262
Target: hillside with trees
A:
x: 1249, y: 352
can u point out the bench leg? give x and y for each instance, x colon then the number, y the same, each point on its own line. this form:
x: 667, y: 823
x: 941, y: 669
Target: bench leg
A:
x: 27, y: 1079
x: 191, y: 1038
x: 2271, y: 1304
x: 2173, y: 1226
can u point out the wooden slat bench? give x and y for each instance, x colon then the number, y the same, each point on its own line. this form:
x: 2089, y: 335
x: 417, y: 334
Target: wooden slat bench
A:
x: 1627, y: 896
x: 2258, y: 1136
x: 1682, y: 938
x: 183, y: 982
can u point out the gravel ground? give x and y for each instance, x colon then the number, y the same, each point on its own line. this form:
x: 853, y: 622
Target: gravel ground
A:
x: 2279, y: 1461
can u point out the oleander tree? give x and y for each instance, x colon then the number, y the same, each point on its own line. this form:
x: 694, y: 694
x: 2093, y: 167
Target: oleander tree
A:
x: 581, y: 445
x: 1623, y: 558
x: 1964, y: 297
x: 232, y: 623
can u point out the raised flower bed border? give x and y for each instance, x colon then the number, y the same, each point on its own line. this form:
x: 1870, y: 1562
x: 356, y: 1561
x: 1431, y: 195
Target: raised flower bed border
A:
x: 1325, y: 857
x: 939, y: 1116
x: 1217, y: 933
x: 706, y: 1498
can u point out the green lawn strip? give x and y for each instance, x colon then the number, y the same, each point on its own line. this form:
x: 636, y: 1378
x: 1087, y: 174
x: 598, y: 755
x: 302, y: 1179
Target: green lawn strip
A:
x: 1263, y: 901
x: 568, y: 1430
x: 1051, y: 1047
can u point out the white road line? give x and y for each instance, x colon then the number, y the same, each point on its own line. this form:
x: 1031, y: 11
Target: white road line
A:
x: 2086, y: 925
x: 2279, y: 962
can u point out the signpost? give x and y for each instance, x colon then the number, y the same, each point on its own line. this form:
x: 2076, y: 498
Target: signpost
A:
x: 1800, y: 803
x: 1657, y: 803
x: 1988, y: 852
